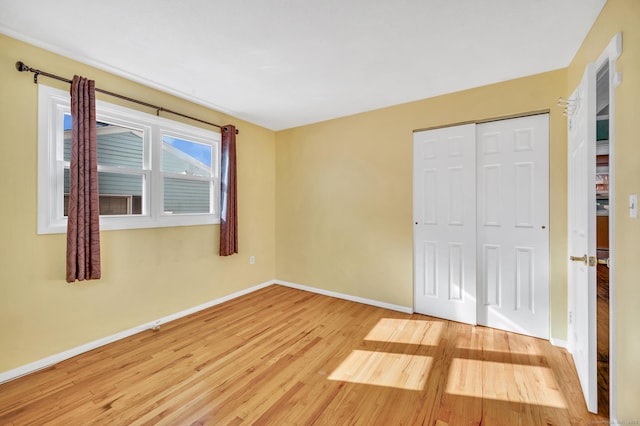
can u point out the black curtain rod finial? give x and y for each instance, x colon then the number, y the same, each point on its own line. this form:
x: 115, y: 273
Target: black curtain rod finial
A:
x: 20, y: 66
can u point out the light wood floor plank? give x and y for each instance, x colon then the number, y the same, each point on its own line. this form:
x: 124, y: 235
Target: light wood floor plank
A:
x: 283, y: 356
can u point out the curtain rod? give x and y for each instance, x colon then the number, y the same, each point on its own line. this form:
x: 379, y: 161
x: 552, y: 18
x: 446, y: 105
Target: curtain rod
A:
x: 22, y: 67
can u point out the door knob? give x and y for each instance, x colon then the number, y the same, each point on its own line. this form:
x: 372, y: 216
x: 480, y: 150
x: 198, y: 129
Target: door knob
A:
x: 582, y: 259
x: 604, y: 262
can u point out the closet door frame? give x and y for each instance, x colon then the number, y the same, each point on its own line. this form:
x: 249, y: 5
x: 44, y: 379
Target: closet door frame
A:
x: 423, y: 240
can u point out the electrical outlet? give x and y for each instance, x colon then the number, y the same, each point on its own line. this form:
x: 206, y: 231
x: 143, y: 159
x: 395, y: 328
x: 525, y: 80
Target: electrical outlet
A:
x: 252, y: 260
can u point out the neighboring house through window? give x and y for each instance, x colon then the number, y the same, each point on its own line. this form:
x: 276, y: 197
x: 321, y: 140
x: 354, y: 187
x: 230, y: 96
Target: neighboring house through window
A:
x: 152, y: 171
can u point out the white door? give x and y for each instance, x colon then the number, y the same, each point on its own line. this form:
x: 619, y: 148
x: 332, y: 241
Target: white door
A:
x: 512, y: 227
x: 582, y: 244
x: 445, y: 223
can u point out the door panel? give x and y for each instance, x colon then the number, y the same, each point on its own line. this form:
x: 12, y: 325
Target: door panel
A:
x: 444, y: 217
x: 582, y: 227
x: 512, y: 225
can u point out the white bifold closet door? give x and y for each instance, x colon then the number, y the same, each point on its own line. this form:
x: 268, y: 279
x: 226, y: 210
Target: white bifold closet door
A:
x: 481, y: 213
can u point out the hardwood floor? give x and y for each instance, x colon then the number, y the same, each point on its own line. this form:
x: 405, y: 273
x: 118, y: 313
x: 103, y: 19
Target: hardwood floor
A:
x: 603, y: 339
x: 284, y: 356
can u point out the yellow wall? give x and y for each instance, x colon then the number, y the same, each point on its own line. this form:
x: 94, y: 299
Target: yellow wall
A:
x: 147, y: 274
x: 344, y: 191
x: 622, y: 16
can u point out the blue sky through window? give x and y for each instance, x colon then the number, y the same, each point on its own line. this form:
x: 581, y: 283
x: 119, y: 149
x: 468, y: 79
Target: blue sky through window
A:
x: 198, y: 151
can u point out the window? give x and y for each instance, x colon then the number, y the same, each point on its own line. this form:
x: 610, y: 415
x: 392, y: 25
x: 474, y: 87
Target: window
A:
x: 152, y: 172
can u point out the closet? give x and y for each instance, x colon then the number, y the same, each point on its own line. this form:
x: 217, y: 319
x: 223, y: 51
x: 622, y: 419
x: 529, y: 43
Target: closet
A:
x: 481, y: 215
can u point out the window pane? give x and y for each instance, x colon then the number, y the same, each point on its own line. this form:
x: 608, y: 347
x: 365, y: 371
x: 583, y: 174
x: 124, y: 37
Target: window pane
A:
x: 186, y: 196
x: 186, y: 157
x: 117, y: 146
x: 119, y: 193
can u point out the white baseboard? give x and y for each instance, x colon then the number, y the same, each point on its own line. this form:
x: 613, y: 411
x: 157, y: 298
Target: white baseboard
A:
x: 559, y: 343
x: 53, y: 359
x: 349, y: 297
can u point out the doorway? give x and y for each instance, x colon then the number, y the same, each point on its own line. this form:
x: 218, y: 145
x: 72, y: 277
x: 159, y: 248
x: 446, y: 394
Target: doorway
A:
x: 602, y: 235
x: 591, y: 224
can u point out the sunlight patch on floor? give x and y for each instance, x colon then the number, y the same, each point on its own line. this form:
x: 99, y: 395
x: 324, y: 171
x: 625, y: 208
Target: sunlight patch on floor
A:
x: 413, y: 332
x: 523, y: 346
x: 526, y: 384
x: 401, y: 371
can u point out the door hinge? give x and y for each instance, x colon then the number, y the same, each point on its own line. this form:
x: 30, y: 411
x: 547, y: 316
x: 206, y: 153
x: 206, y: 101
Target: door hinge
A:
x: 570, y: 317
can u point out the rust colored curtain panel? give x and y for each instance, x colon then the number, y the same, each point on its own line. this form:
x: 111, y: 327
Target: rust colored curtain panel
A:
x: 83, y: 228
x: 228, y: 194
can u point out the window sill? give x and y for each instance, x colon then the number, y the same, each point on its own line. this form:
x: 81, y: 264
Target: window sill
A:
x: 117, y: 223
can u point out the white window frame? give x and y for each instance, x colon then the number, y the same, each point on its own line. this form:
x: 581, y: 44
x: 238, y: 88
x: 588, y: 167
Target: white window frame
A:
x: 53, y: 104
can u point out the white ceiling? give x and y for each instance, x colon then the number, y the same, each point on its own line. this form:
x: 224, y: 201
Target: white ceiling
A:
x: 286, y: 63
